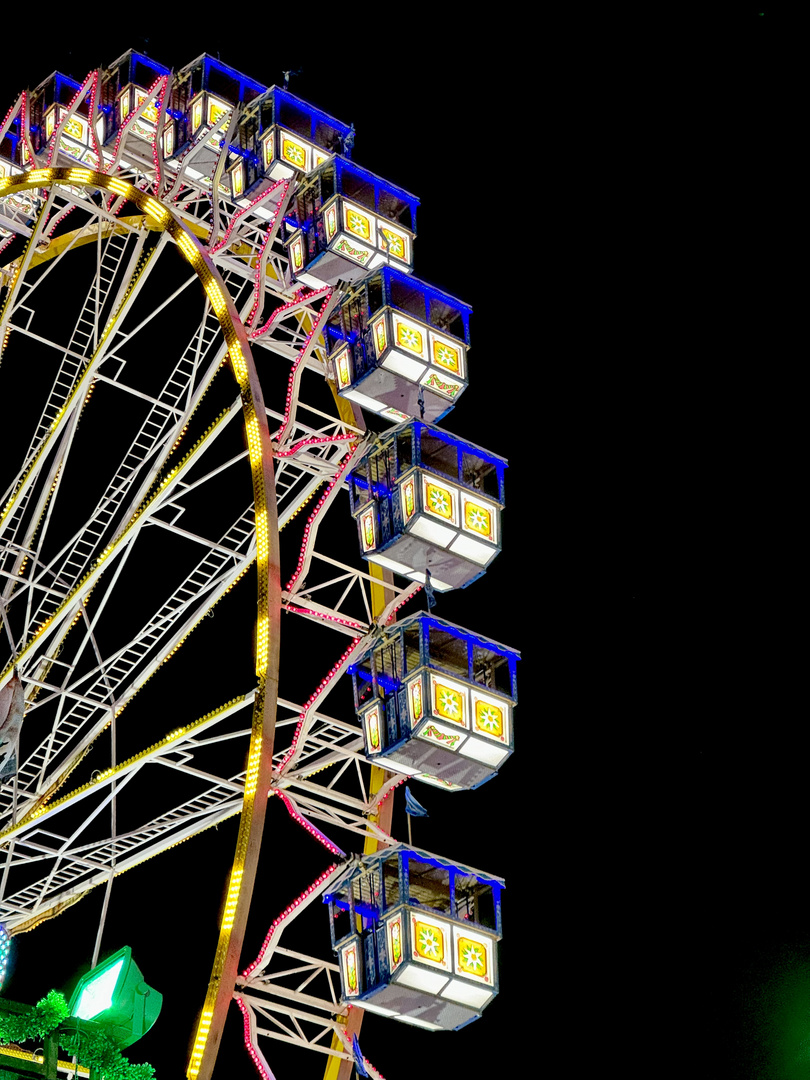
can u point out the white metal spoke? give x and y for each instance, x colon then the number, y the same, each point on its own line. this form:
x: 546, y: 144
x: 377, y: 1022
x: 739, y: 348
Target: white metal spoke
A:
x: 132, y: 497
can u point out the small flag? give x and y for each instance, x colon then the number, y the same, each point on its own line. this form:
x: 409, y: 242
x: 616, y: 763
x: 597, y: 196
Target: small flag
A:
x: 412, y: 807
x: 358, y: 1057
x: 431, y: 596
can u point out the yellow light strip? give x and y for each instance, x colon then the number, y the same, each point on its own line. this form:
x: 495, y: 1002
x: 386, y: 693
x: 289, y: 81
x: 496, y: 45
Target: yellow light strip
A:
x: 95, y: 570
x: 24, y: 928
x: 26, y: 1055
x: 79, y: 390
x: 173, y: 736
x: 242, y: 369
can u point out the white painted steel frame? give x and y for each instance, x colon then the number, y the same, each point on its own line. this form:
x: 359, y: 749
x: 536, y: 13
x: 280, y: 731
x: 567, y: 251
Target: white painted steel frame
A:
x: 326, y: 747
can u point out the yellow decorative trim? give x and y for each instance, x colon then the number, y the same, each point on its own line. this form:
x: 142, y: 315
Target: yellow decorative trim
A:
x: 108, y: 774
x: 26, y: 1055
x: 243, y: 369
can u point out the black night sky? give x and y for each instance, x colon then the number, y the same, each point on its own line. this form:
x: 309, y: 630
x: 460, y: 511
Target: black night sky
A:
x: 615, y: 203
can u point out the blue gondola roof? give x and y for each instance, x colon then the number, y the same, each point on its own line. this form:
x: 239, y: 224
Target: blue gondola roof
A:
x: 392, y: 273
x: 446, y: 436
x: 343, y: 164
x: 209, y: 62
x: 358, y: 863
x: 280, y: 94
x: 457, y: 631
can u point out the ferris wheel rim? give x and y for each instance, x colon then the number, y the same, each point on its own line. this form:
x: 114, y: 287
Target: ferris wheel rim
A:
x: 259, y: 763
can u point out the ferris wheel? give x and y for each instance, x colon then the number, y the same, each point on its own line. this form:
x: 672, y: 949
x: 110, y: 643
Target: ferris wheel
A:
x: 168, y: 440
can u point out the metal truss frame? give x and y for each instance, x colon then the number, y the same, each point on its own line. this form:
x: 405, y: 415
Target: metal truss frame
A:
x: 56, y: 844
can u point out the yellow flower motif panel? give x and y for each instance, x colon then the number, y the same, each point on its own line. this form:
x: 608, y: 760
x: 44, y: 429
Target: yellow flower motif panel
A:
x: 431, y: 942
x: 491, y: 717
x: 446, y: 355
x: 394, y: 243
x: 294, y: 152
x: 74, y: 128
x: 196, y: 112
x: 216, y: 110
x: 357, y: 223
x: 150, y: 113
x: 471, y: 958
x: 330, y: 218
x: 439, y: 501
x: 488, y: 718
x: 297, y: 252
x: 479, y: 518
x: 409, y: 337
x: 449, y: 701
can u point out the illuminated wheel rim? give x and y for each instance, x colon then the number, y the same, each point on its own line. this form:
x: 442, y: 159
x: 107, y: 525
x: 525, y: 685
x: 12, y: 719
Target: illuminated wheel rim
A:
x: 34, y: 642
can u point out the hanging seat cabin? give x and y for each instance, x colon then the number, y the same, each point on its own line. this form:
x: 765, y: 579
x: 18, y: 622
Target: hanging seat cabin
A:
x: 48, y: 106
x: 18, y: 211
x: 280, y: 136
x: 44, y: 124
x: 436, y: 701
x: 395, y: 339
x: 204, y: 92
x: 277, y: 135
x: 416, y: 937
x: 124, y: 89
x: 427, y: 500
x: 345, y: 221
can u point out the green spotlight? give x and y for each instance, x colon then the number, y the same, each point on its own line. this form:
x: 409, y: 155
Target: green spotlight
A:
x: 115, y: 996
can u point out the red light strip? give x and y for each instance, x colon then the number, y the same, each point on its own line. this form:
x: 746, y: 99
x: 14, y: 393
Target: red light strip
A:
x: 312, y: 442
x: 150, y: 94
x: 60, y: 218
x: 296, y: 609
x: 256, y: 1056
x: 299, y: 299
x: 308, y: 826
x: 245, y: 209
x: 311, y: 519
x: 80, y: 93
x: 275, y: 925
x: 334, y: 672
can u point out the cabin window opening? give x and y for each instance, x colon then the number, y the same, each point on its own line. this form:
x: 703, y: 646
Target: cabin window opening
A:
x: 411, y: 645
x: 429, y: 885
x: 479, y: 474
x: 491, y: 669
x: 448, y: 652
x: 474, y: 901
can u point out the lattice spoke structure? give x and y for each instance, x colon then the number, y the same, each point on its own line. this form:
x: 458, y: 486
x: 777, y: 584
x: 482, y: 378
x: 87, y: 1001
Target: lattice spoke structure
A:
x: 190, y: 487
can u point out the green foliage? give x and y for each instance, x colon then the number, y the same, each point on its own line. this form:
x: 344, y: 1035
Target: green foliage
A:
x: 93, y: 1046
x: 40, y: 1021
